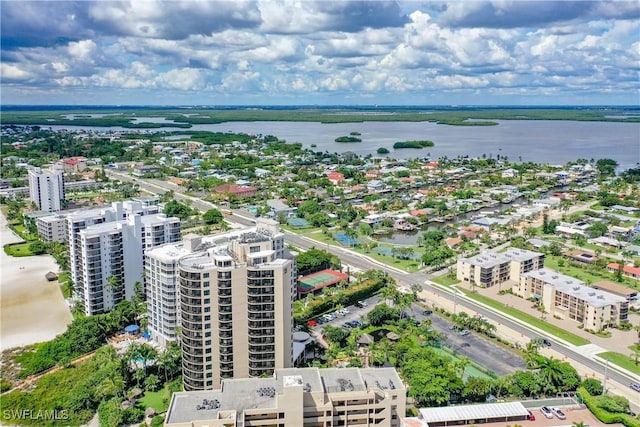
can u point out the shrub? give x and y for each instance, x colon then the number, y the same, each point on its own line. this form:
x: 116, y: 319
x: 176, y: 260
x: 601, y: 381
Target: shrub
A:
x: 593, y: 386
x: 5, y: 385
x: 603, y: 415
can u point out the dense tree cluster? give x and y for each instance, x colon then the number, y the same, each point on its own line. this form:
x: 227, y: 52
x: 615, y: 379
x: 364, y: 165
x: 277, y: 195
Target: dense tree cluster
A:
x: 315, y: 260
x: 84, y: 334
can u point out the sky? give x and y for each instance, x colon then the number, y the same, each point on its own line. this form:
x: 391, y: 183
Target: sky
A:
x: 305, y: 52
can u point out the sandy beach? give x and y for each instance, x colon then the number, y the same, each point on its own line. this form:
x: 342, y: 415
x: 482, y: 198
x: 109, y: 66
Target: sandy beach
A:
x: 32, y: 309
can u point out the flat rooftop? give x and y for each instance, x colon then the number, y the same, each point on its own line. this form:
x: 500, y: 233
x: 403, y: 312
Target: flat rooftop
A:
x: 235, y: 395
x: 473, y: 412
x: 342, y: 379
x: 490, y: 259
x: 576, y: 288
x: 383, y: 378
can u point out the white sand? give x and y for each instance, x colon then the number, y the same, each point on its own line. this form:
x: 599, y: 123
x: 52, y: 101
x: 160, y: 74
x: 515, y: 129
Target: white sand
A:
x: 32, y: 309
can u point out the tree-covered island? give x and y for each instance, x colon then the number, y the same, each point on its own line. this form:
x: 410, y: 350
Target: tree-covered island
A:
x: 413, y: 144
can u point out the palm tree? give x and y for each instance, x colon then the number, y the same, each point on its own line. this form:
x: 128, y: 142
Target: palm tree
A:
x: 551, y: 370
x: 579, y: 424
x: 113, y: 385
x: 352, y: 235
x: 531, y: 353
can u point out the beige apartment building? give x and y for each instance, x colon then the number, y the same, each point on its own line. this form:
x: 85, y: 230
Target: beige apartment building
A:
x: 569, y: 298
x: 492, y: 268
x: 302, y: 397
x: 236, y: 307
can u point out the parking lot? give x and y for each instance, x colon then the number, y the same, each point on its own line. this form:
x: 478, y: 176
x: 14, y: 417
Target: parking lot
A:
x: 473, y: 346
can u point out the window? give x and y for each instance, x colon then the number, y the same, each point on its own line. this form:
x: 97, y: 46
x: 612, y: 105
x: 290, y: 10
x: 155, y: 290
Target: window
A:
x: 205, y: 275
x: 254, y: 249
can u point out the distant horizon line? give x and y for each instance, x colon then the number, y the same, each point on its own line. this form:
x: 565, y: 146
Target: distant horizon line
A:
x: 634, y: 106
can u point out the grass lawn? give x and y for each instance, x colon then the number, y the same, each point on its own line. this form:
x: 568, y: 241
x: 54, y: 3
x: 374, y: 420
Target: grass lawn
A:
x: 409, y: 265
x: 471, y: 370
x: 529, y: 319
x: 445, y: 280
x: 621, y: 360
x: 551, y: 262
x: 155, y: 400
x: 18, y: 250
x: 21, y: 230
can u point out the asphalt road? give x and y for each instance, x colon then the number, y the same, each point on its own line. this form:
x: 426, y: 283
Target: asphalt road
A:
x: 401, y: 277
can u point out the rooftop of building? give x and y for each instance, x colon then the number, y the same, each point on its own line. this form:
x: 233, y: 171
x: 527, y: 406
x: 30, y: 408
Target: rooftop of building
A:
x: 146, y: 220
x: 490, y: 259
x: 240, y: 394
x: 615, y: 288
x: 576, y: 288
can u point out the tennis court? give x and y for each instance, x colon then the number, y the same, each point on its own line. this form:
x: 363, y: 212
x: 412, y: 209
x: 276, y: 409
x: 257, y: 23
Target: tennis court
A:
x: 319, y: 280
x: 298, y: 223
x: 346, y: 240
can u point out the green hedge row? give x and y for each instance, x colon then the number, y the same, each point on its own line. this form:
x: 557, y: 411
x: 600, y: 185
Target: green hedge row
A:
x: 603, y: 415
x: 349, y: 296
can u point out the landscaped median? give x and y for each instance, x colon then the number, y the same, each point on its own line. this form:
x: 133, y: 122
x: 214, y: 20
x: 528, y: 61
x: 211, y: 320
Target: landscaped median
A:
x: 515, y: 313
x: 621, y: 360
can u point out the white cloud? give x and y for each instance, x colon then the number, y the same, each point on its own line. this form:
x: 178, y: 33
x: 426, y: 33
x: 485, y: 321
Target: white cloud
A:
x: 300, y: 49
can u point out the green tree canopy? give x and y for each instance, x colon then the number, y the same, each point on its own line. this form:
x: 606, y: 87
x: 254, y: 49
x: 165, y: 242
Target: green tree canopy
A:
x: 382, y: 314
x: 598, y: 229
x: 606, y: 166
x: 315, y: 260
x: 212, y: 216
x: 307, y: 208
x: 177, y: 209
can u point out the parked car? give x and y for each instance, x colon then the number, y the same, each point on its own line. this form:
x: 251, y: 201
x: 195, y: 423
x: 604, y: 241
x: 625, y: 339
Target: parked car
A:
x: 346, y: 325
x: 558, y: 413
x: 464, y: 332
x: 361, y: 304
x: 311, y: 323
x: 546, y: 412
x: 546, y: 342
x: 355, y: 323
x: 531, y: 416
x: 635, y: 386
x: 427, y: 312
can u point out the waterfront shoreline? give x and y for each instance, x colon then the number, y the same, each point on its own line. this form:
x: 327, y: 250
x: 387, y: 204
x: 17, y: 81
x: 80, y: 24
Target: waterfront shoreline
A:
x: 32, y: 309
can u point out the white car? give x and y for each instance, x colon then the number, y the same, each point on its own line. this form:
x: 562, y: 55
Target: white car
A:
x: 546, y: 412
x: 558, y: 413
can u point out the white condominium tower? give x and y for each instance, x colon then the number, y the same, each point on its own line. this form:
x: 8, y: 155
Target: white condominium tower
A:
x: 236, y: 307
x: 162, y: 280
x: 46, y: 188
x: 106, y: 249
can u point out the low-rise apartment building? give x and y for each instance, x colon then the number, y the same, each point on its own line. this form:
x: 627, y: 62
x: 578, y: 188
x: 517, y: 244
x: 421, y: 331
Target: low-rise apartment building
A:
x: 492, y: 268
x: 52, y: 228
x: 627, y: 270
x: 569, y: 298
x: 303, y: 397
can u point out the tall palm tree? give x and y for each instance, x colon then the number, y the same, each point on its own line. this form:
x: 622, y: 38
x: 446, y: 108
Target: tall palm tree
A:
x: 551, y: 370
x: 531, y: 354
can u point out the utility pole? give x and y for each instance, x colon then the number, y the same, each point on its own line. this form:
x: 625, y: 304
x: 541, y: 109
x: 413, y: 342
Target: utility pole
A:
x: 604, y: 384
x: 455, y: 301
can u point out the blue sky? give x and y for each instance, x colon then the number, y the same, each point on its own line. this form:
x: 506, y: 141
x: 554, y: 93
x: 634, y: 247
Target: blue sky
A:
x: 304, y: 52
